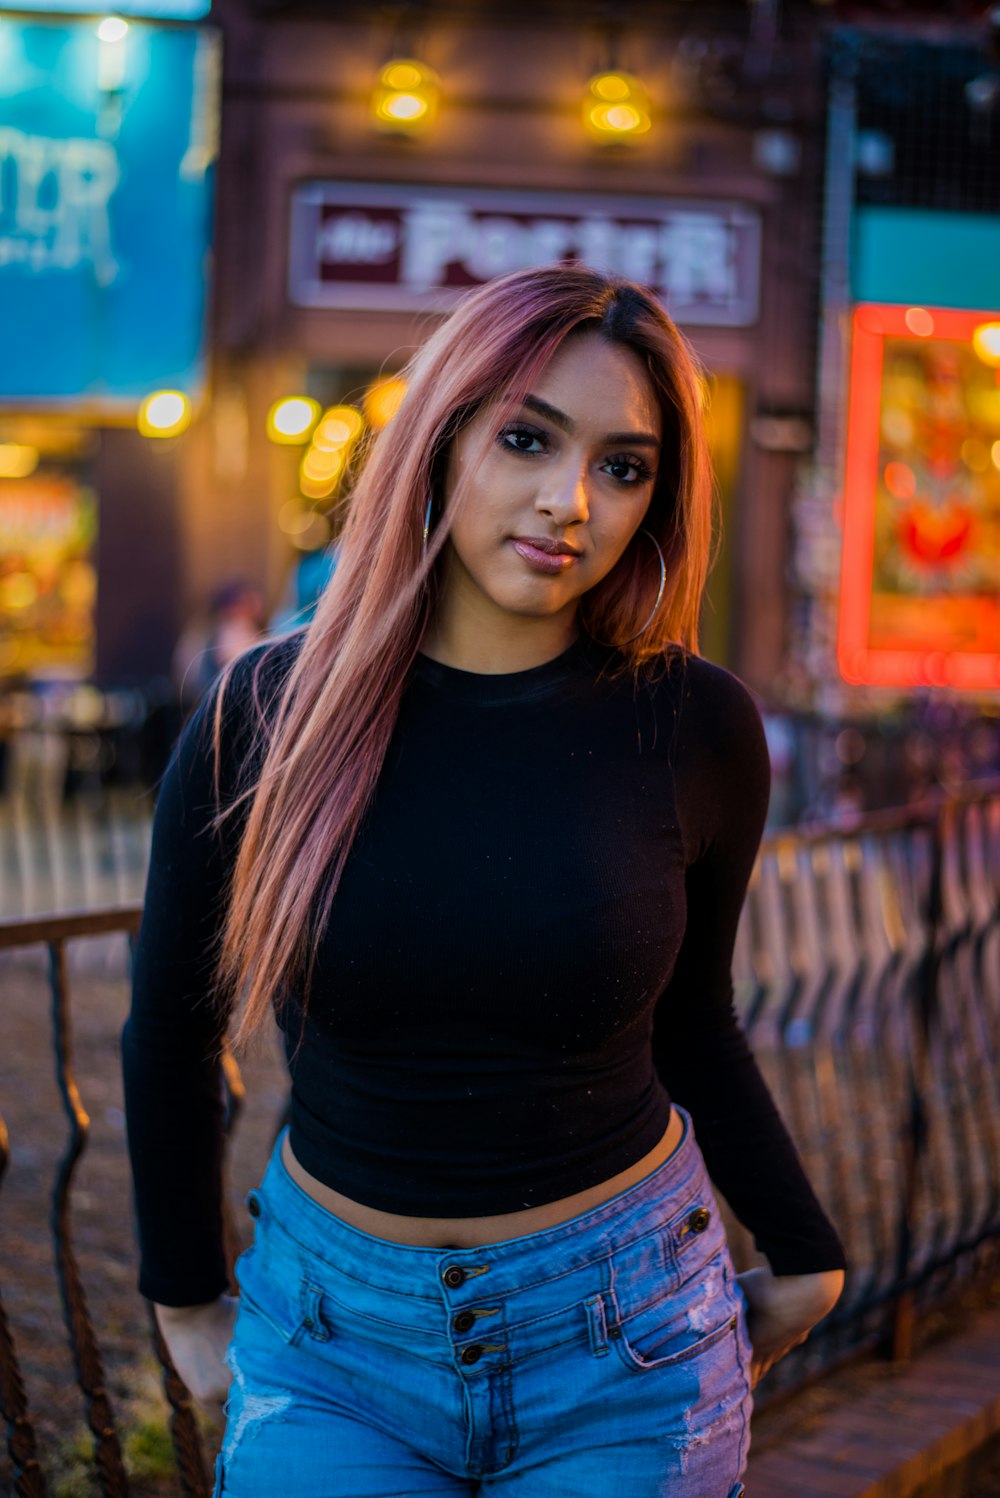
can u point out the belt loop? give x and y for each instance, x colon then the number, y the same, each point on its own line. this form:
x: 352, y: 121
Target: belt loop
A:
x: 314, y: 1322
x: 598, y: 1326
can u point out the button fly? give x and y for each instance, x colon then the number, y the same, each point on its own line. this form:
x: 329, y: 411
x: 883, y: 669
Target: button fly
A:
x: 453, y: 1276
x: 699, y: 1219
x: 472, y: 1354
x: 464, y: 1321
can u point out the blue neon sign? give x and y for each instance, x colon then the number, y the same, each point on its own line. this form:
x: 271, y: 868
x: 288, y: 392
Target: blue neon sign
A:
x: 160, y: 10
x: 107, y: 157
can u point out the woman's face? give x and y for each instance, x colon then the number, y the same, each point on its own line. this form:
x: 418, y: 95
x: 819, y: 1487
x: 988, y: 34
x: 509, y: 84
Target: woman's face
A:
x: 560, y: 493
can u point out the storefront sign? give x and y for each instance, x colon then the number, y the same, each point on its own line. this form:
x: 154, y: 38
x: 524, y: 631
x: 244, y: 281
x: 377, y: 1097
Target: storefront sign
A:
x: 106, y: 176
x: 164, y: 10
x: 410, y: 248
x: 920, y: 573
x: 925, y: 256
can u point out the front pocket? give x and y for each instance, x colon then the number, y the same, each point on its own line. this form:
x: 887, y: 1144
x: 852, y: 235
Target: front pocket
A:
x: 657, y: 1352
x: 264, y: 1298
x: 679, y: 1323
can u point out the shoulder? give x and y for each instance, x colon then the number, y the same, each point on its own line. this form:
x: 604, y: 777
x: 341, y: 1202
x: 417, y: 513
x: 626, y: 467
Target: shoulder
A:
x: 713, y: 709
x: 719, y: 752
x: 257, y: 678
x: 718, y: 702
x: 239, y: 707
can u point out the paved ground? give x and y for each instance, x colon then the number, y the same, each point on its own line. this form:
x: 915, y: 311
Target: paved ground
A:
x: 929, y: 1427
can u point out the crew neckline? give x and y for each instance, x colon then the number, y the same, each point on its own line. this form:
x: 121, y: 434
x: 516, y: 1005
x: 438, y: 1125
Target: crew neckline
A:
x: 505, y: 686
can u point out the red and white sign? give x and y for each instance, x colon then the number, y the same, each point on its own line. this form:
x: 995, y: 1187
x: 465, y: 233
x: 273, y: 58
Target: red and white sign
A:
x: 418, y: 248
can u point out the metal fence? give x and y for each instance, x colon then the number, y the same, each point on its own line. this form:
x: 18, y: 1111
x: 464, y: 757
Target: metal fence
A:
x: 868, y: 976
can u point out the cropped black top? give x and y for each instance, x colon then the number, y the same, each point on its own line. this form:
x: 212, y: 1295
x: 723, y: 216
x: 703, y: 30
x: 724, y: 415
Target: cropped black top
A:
x: 528, y: 955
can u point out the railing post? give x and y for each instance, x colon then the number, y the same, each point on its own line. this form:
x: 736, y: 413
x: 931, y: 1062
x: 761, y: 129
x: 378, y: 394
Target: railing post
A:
x: 86, y: 1355
x: 188, y: 1451
x: 29, y: 1480
x: 915, y: 1140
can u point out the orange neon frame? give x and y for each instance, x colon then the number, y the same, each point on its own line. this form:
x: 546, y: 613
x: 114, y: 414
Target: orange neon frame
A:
x: 859, y: 664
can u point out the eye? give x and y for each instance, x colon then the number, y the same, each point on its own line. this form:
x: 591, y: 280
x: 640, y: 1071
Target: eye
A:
x: 628, y: 469
x: 522, y: 439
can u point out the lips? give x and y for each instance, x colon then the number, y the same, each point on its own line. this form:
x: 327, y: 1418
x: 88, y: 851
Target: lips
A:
x: 553, y: 548
x: 543, y: 555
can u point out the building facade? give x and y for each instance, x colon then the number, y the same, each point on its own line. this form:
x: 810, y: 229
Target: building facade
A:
x: 340, y: 244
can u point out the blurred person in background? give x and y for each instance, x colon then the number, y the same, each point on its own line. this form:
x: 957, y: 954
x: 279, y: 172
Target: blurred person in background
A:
x: 480, y: 838
x: 309, y: 576
x: 206, y: 646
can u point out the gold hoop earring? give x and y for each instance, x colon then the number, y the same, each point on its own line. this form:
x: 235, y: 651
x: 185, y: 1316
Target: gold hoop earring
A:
x: 659, y: 593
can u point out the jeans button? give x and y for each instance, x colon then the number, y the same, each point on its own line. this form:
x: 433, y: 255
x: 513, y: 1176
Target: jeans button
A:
x: 472, y: 1354
x: 699, y: 1219
x: 453, y: 1276
x: 464, y: 1321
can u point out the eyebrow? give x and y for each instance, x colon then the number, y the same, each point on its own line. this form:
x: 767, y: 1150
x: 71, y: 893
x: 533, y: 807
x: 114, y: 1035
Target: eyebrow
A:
x: 560, y: 419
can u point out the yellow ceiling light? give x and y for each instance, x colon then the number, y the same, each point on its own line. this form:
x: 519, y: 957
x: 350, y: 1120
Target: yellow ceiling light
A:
x: 986, y: 342
x: 405, y: 98
x: 317, y: 488
x: 616, y: 108
x: 17, y: 461
x: 321, y: 465
x: 292, y: 419
x: 165, y: 413
x: 383, y: 400
x: 340, y: 425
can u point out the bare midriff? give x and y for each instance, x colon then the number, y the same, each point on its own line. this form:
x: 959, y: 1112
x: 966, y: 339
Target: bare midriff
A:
x: 475, y: 1232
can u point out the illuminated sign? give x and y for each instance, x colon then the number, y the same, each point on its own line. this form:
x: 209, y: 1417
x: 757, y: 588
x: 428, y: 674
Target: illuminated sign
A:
x: 160, y: 10
x: 412, y: 248
x: 48, y: 582
x: 107, y: 151
x: 920, y: 574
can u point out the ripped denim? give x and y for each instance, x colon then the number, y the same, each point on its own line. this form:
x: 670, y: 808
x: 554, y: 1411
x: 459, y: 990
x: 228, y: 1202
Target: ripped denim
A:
x: 606, y: 1357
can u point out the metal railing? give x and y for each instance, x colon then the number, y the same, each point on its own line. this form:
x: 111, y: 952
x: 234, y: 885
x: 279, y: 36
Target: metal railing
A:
x: 868, y: 977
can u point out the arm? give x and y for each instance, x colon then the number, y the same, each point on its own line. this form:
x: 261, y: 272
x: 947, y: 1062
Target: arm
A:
x: 722, y: 772
x: 171, y: 1040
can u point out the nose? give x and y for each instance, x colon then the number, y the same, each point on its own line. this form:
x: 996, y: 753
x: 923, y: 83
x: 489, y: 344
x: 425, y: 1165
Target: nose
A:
x: 564, y: 499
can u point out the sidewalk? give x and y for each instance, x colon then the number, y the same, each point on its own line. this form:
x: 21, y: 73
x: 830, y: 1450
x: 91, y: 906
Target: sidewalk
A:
x: 884, y: 1432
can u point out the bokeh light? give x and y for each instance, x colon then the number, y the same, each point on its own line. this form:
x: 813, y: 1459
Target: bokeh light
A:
x: 616, y: 108
x: 919, y: 321
x: 165, y: 413
x: 383, y: 399
x: 406, y: 96
x: 986, y: 342
x: 17, y: 461
x: 292, y: 419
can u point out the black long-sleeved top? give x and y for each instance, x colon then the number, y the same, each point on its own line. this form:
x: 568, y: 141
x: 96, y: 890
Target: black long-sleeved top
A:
x: 528, y: 954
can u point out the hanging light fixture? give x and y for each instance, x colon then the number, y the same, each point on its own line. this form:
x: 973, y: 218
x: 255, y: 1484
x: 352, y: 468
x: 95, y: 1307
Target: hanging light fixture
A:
x: 291, y: 420
x: 165, y: 413
x: 406, y: 95
x: 616, y: 108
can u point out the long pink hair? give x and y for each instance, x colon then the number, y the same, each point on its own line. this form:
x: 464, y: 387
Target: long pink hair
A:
x: 324, y: 746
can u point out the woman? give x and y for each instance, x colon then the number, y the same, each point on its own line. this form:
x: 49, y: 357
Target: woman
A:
x: 485, y: 833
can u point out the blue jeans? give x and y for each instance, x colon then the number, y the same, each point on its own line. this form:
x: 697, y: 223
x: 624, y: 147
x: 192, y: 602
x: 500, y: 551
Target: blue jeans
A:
x: 606, y: 1357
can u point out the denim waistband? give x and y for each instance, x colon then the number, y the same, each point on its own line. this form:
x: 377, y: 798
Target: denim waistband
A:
x: 662, y: 1197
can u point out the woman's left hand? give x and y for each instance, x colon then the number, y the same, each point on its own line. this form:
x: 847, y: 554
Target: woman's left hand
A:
x: 783, y: 1309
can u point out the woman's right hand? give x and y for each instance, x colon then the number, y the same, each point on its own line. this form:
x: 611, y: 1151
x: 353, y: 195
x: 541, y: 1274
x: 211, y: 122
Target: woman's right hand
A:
x: 197, y: 1338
